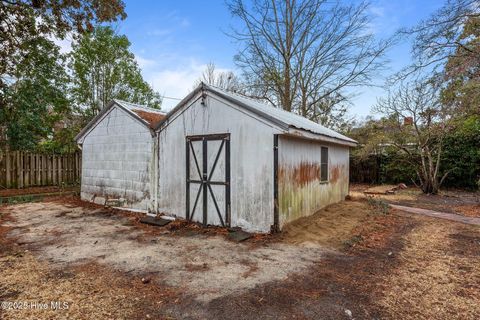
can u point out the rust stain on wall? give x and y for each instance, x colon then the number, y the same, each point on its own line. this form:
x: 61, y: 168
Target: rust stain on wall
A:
x: 300, y: 175
x: 334, y: 174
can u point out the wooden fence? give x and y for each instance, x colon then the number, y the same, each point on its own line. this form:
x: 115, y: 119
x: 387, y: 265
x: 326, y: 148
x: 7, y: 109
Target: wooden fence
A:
x: 24, y: 169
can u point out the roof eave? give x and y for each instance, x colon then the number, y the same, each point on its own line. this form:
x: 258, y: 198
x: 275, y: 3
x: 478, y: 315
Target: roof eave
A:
x: 109, y: 106
x: 301, y: 133
x: 92, y: 122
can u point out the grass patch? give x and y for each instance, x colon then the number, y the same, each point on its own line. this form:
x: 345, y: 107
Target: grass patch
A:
x: 379, y: 205
x: 20, y: 199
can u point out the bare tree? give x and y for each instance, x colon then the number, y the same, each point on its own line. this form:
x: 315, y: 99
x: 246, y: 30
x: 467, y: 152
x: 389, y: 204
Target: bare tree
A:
x: 302, y: 55
x: 438, y: 38
x: 226, y: 80
x: 423, y: 139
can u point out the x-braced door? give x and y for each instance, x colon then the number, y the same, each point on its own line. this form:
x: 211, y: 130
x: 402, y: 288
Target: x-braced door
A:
x: 208, y: 179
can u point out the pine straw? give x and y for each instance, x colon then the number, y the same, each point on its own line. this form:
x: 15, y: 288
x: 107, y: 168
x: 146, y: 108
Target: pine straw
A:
x: 472, y: 210
x: 438, y: 276
x: 91, y: 291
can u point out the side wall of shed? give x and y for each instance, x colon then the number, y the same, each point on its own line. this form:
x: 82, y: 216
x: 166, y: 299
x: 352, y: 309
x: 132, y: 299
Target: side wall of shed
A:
x: 116, y: 161
x: 251, y: 161
x: 301, y: 193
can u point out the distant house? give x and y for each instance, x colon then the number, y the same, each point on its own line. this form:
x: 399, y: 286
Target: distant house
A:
x: 220, y: 158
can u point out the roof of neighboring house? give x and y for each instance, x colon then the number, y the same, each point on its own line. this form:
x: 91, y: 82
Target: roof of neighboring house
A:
x: 280, y: 117
x: 147, y: 116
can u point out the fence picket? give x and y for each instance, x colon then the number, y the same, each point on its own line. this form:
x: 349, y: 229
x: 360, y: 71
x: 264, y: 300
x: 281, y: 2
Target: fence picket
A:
x: 8, y: 181
x: 24, y: 169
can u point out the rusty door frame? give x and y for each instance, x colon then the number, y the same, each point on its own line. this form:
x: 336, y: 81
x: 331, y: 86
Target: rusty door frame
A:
x: 205, y: 177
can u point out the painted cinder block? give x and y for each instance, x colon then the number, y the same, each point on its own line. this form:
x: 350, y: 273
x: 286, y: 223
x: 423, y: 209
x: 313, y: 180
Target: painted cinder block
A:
x: 117, y: 156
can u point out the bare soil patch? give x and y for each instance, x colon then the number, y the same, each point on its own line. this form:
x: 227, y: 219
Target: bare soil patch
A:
x: 330, y: 227
x: 210, y: 266
x: 89, y: 291
x: 36, y: 190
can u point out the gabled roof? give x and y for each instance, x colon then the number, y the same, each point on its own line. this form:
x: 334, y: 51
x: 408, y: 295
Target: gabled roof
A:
x: 150, y: 115
x: 284, y: 119
x: 147, y: 116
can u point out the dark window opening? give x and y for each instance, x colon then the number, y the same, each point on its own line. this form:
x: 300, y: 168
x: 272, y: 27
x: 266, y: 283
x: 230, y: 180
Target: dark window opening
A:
x: 324, y: 164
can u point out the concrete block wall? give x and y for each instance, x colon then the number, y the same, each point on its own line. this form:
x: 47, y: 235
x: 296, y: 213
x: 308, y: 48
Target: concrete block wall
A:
x: 117, y: 161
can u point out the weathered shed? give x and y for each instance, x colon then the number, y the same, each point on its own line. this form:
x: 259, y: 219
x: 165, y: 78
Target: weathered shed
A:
x: 117, y: 155
x: 224, y: 159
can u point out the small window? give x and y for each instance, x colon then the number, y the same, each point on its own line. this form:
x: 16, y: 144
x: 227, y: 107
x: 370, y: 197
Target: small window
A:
x: 324, y: 164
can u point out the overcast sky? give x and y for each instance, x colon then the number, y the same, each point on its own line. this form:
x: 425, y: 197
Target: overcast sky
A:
x: 174, y: 40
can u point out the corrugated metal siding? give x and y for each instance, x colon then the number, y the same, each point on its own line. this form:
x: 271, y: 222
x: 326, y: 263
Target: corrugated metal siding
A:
x: 301, y: 193
x: 251, y: 145
x: 116, y: 161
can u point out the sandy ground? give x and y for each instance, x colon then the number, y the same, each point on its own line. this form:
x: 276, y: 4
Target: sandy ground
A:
x: 330, y: 227
x: 348, y: 261
x: 209, y: 266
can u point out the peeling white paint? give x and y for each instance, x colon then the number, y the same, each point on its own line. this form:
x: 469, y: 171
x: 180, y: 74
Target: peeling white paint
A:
x: 117, y: 161
x: 251, y: 148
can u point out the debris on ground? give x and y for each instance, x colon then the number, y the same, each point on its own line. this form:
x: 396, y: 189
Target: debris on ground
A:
x: 384, y: 189
x: 155, y: 221
x: 239, y: 235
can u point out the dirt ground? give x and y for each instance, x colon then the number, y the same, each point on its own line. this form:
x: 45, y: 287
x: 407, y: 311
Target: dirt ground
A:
x: 466, y: 203
x: 36, y: 190
x: 331, y: 227
x: 348, y: 261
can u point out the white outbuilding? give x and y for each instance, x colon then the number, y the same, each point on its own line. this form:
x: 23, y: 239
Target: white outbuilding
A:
x: 117, y: 156
x: 224, y: 159
x: 217, y: 158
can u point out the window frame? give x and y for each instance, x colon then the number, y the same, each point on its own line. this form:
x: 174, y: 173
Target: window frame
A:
x: 324, y: 164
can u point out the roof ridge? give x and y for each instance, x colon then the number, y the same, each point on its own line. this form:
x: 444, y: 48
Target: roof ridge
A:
x: 139, y: 106
x: 287, y: 117
x: 258, y: 100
